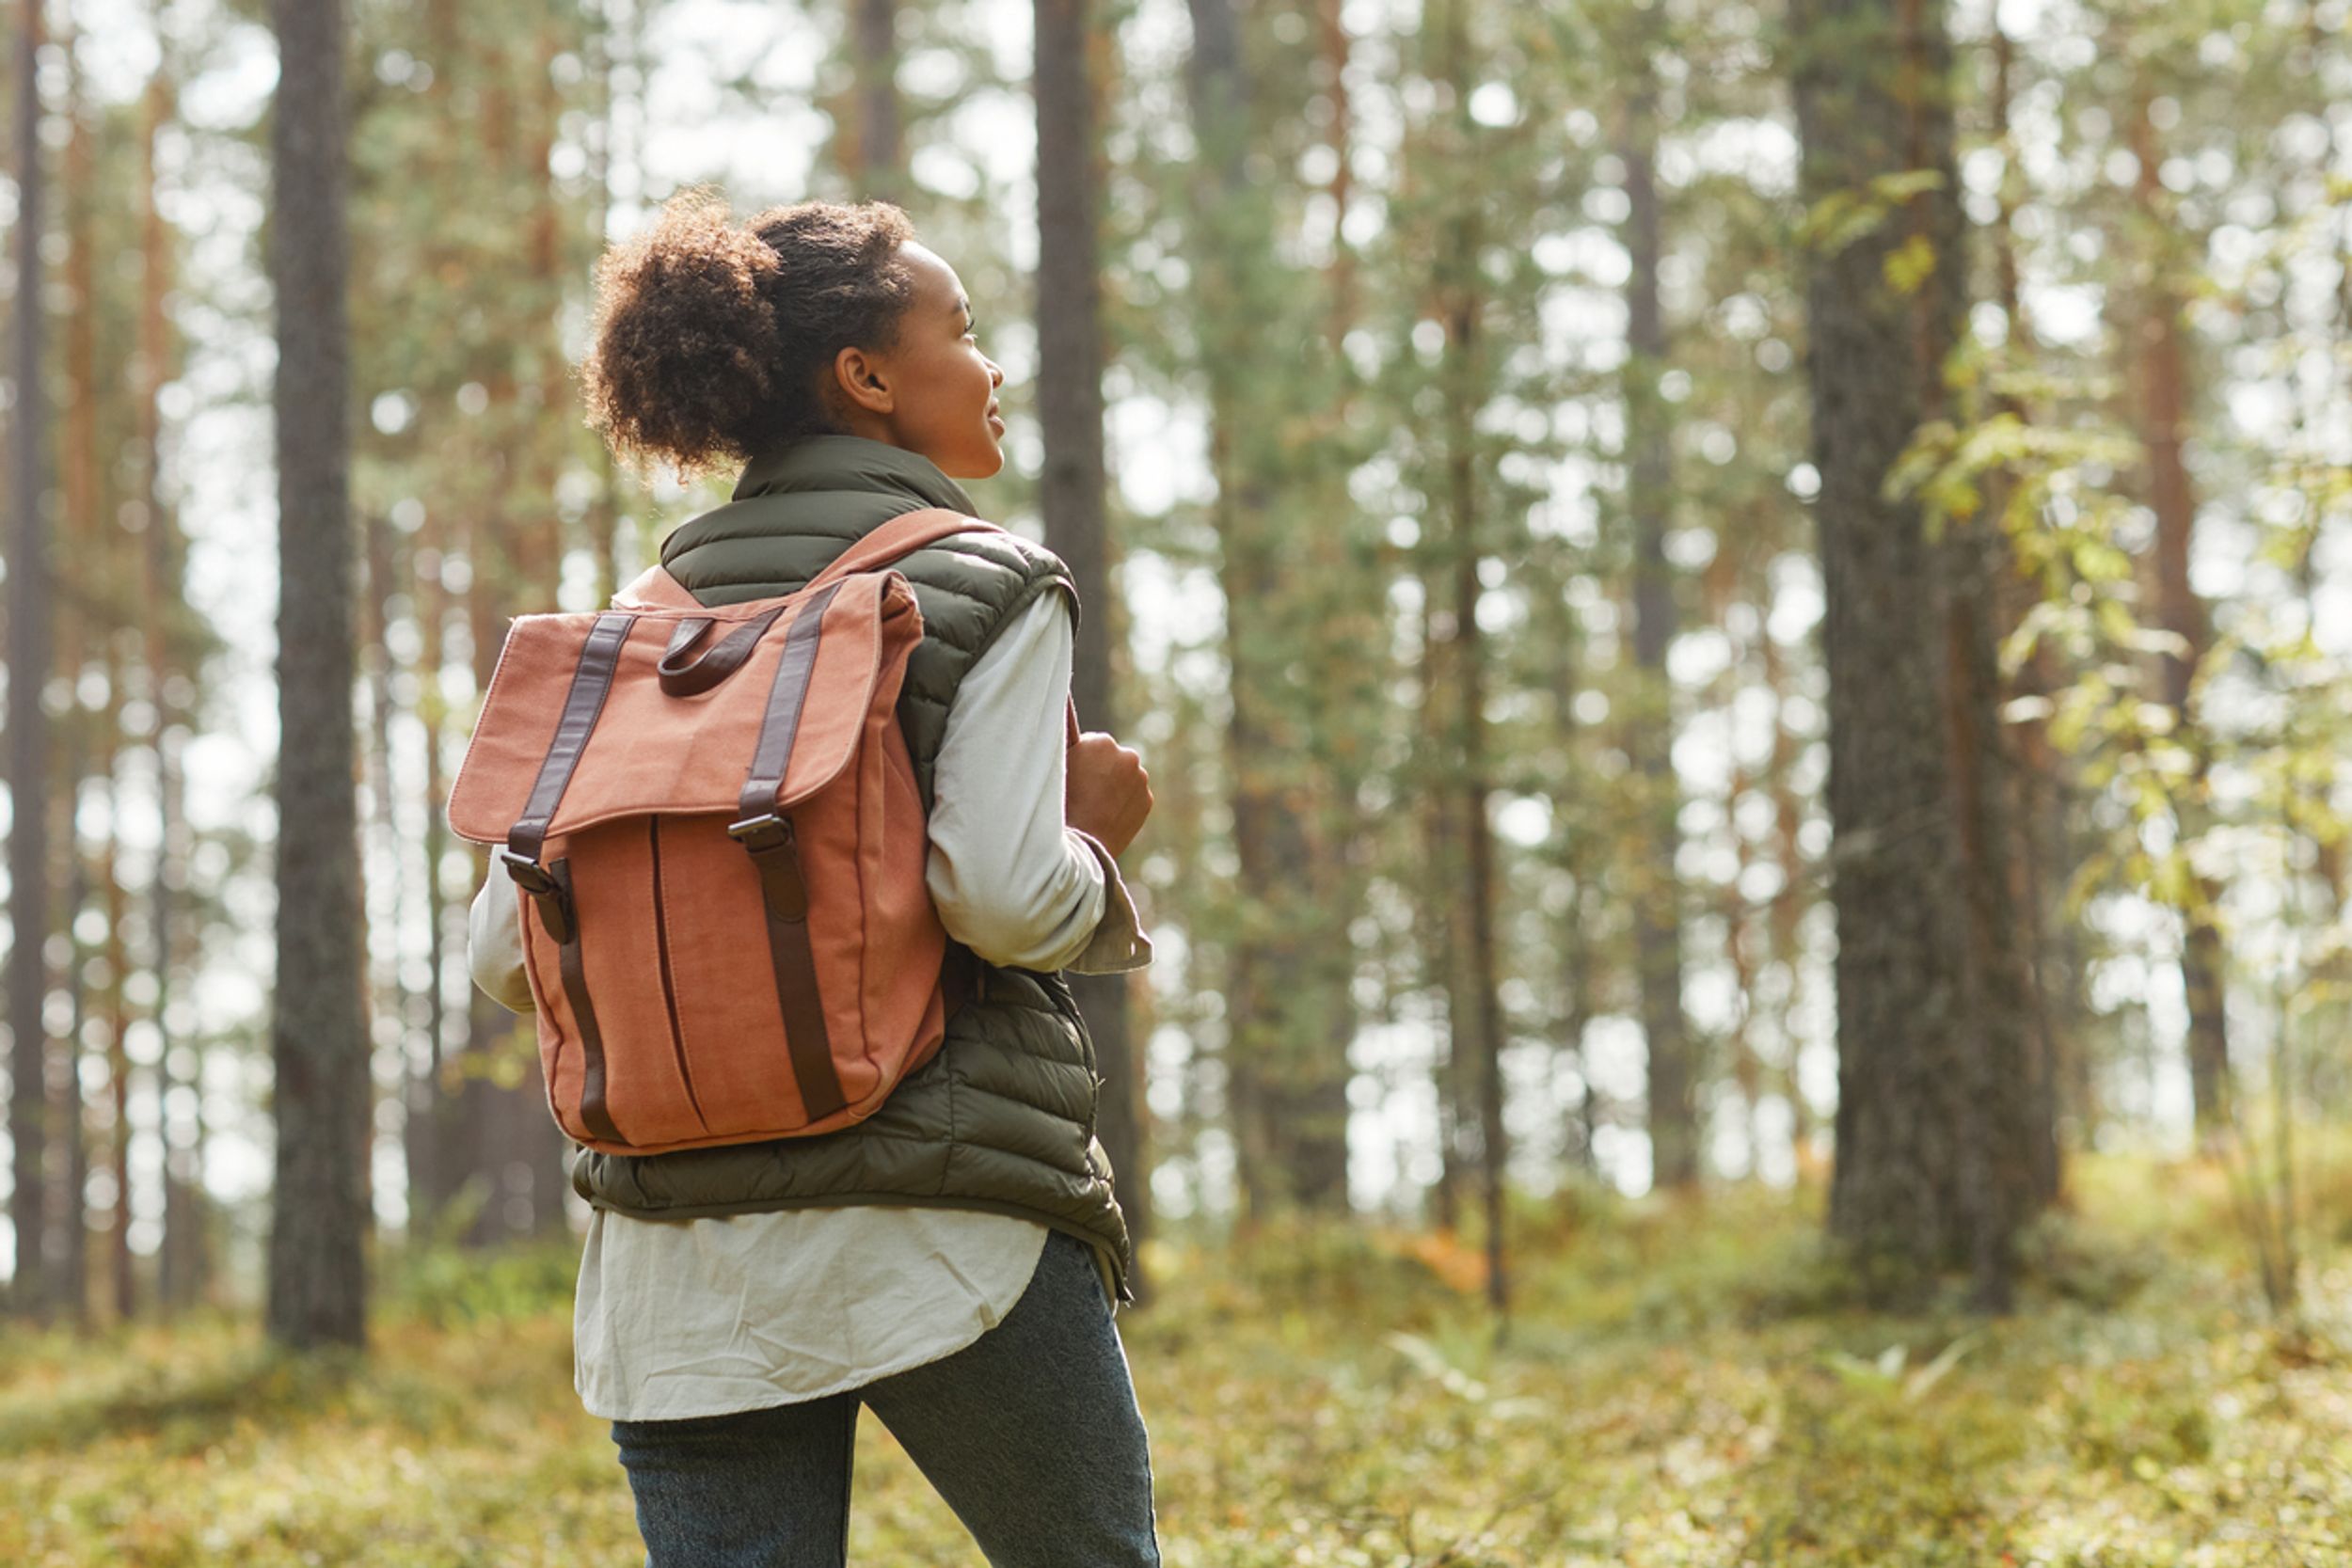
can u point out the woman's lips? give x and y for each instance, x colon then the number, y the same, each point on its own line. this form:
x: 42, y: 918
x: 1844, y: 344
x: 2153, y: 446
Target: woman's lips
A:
x: 997, y: 421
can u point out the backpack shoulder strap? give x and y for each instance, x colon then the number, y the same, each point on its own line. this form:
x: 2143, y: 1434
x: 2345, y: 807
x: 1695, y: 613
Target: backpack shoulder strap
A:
x: 902, y: 536
x: 656, y: 588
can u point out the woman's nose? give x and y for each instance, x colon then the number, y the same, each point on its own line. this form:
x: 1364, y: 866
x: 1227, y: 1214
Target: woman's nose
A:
x: 995, y: 373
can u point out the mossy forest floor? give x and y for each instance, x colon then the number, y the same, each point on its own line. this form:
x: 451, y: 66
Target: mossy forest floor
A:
x: 1682, y: 1385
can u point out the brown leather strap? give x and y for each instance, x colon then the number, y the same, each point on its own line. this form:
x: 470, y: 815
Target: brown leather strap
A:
x: 714, y: 664
x: 777, y: 857
x: 592, y: 1108
x: 772, y: 758
x: 902, y: 536
x: 806, y: 1040
x: 591, y: 680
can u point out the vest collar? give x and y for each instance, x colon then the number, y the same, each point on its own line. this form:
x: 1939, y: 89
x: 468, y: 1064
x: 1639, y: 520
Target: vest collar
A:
x: 850, y: 463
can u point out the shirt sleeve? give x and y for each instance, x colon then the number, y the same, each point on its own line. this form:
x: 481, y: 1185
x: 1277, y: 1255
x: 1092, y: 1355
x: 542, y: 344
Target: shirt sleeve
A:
x: 494, y: 944
x: 1011, y: 880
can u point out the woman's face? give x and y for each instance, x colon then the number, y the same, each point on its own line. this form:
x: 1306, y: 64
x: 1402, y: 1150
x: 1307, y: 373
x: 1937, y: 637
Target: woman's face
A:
x: 932, y: 391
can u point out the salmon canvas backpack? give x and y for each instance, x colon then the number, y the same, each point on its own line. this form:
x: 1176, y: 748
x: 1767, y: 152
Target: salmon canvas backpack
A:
x: 711, y: 820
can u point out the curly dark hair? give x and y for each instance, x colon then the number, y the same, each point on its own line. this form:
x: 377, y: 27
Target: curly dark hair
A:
x: 712, y: 338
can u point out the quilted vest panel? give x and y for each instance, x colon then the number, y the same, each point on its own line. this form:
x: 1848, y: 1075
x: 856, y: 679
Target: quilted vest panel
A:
x: 1002, y: 1118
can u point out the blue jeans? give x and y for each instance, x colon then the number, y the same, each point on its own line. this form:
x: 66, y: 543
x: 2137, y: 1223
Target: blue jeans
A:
x: 1030, y: 1434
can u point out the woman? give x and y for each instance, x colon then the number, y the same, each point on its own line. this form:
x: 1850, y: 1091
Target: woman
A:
x: 954, y: 1261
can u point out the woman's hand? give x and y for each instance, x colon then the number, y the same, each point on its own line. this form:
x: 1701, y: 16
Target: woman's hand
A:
x: 1108, y: 794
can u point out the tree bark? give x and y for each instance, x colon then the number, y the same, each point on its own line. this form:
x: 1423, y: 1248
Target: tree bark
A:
x: 122, y: 1278
x: 1287, y: 1004
x: 29, y: 672
x: 1926, y: 1047
x: 68, y: 1215
x: 879, y: 163
x: 179, y: 1262
x: 431, y: 1130
x: 2162, y: 381
x: 1071, y: 494
x: 2042, y: 845
x: 1461, y: 298
x: 93, y: 543
x: 1674, y: 1129
x: 1562, y: 628
x: 319, y: 1045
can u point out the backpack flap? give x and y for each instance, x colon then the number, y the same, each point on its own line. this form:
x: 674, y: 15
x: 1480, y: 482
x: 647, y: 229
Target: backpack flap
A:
x: 577, y: 727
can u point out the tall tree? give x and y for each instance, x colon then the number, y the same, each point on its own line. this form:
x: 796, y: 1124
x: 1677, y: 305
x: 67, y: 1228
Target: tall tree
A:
x: 2051, y: 942
x: 878, y: 161
x: 1929, y: 1057
x: 2161, y: 378
x: 1674, y: 1129
x: 319, y: 1042
x: 1286, y: 1000
x: 1474, y: 977
x: 29, y: 672
x: 94, y: 549
x: 181, y: 1272
x: 1071, y: 497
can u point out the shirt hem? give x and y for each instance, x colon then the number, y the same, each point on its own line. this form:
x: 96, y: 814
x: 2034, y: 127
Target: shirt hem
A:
x: 856, y: 1381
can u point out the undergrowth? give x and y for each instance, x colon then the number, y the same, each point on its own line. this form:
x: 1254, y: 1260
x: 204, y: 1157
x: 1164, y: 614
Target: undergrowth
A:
x: 1679, y: 1381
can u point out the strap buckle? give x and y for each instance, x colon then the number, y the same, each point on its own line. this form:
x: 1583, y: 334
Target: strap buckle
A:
x: 529, y: 874
x: 760, y: 834
x: 554, y: 904
x: 777, y: 855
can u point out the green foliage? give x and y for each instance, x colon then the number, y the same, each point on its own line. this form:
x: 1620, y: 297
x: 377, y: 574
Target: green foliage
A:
x: 1840, y: 218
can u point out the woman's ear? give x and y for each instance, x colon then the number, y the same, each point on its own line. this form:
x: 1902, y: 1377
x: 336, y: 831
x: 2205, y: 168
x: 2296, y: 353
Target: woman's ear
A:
x: 861, y: 378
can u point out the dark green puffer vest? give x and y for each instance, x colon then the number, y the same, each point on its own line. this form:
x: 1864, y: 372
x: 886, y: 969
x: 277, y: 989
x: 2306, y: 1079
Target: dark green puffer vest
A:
x: 1002, y: 1117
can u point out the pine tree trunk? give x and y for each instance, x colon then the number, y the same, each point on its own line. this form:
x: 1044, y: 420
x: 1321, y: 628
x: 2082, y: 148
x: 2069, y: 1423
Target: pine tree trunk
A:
x: 1565, y: 635
x: 92, y: 567
x: 1071, y: 494
x: 430, y: 1130
x: 879, y: 165
x: 1784, y: 923
x: 29, y: 587
x: 1287, y: 1008
x: 121, y: 1279
x: 1674, y: 1127
x: 1437, y: 895
x: 381, y: 576
x: 2042, y: 849
x: 433, y: 1132
x: 1926, y: 1047
x: 1459, y: 291
x: 1334, y: 37
x: 482, y: 1151
x: 70, y: 1206
x: 2161, y: 378
x: 319, y: 1045
x: 178, y: 1265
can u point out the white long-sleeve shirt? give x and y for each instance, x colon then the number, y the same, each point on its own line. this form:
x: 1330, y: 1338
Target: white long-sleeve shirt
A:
x: 700, y: 1317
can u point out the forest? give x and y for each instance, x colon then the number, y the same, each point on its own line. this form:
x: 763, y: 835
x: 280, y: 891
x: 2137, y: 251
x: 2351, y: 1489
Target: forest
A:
x: 1740, y: 616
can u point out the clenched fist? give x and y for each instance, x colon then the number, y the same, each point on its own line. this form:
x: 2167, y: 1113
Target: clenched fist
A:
x: 1109, y: 794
